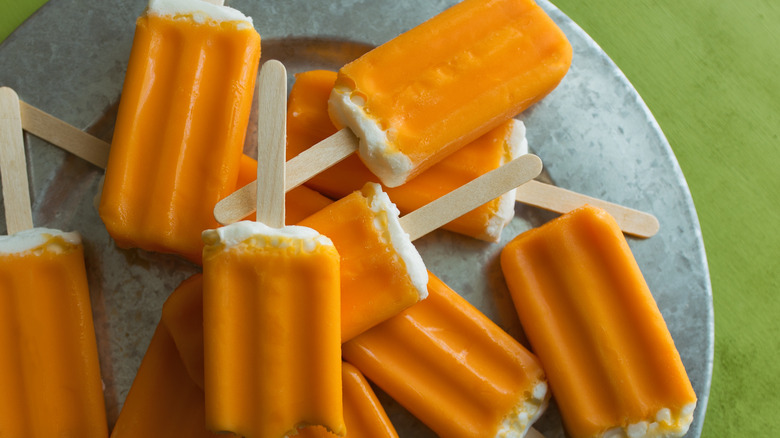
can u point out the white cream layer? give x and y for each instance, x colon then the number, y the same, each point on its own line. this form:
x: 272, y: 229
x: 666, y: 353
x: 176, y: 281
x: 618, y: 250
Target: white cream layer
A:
x: 200, y: 11
x: 293, y: 235
x: 667, y: 424
x: 516, y: 145
x: 34, y: 238
x: 517, y: 423
x: 386, y: 223
x: 376, y: 149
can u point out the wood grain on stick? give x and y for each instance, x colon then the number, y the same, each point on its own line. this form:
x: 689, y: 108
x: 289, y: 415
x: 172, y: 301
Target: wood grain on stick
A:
x: 271, y: 143
x: 64, y: 135
x: 471, y: 195
x: 559, y: 200
x: 13, y: 164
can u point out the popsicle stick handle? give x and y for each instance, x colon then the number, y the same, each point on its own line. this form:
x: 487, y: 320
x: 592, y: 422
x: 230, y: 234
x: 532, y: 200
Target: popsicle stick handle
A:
x: 300, y: 169
x: 533, y: 433
x: 13, y: 164
x: 271, y: 143
x: 559, y: 200
x: 65, y: 136
x: 471, y: 195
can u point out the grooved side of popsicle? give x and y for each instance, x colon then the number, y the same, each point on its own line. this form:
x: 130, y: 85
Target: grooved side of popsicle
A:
x: 381, y: 271
x: 453, y: 368
x: 271, y: 331
x: 180, y: 130
x: 442, y: 84
x: 590, y: 317
x: 49, y: 369
x: 309, y: 123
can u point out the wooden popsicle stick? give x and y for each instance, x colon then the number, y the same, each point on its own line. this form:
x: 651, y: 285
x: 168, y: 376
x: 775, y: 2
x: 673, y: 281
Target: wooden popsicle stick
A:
x: 13, y: 164
x: 533, y: 433
x: 300, y: 169
x: 271, y: 143
x: 64, y: 135
x: 471, y: 195
x: 559, y: 200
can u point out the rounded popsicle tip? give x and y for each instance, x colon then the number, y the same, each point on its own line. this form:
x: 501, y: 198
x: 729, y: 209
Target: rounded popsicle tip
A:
x: 8, y: 93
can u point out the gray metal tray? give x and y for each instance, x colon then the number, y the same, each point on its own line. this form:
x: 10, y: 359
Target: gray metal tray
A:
x: 594, y: 134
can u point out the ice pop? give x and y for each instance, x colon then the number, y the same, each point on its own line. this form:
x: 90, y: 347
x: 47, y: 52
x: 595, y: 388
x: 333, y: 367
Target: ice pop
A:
x: 180, y: 124
x: 453, y: 368
x: 381, y: 271
x: 590, y: 317
x: 271, y: 300
x: 435, y: 88
x: 49, y: 369
x: 308, y: 124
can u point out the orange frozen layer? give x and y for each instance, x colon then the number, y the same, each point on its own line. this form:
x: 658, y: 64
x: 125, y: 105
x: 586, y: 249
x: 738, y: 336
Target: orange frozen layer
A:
x: 596, y: 328
x: 453, y: 368
x: 381, y: 271
x: 364, y: 416
x: 180, y: 128
x: 308, y: 123
x: 439, y: 86
x: 49, y: 369
x: 271, y: 323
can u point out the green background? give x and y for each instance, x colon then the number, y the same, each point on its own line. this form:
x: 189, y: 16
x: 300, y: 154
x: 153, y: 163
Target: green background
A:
x: 710, y: 73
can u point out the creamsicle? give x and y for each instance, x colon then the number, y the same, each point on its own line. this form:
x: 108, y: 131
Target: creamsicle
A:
x: 433, y: 89
x: 271, y: 305
x: 180, y: 125
x: 49, y: 368
x: 453, y: 368
x: 381, y: 271
x: 308, y: 123
x: 592, y: 320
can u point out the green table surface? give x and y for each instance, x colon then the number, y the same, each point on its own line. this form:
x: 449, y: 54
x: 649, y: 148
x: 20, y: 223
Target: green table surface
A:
x: 709, y: 73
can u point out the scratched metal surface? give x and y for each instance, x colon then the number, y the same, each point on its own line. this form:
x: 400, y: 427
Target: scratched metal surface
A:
x: 594, y: 134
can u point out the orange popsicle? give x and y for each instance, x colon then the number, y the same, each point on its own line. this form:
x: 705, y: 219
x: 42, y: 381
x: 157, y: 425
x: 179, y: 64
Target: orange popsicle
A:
x: 381, y: 271
x: 435, y: 88
x: 453, y: 368
x: 180, y: 125
x: 271, y: 306
x: 309, y: 123
x: 589, y: 315
x: 49, y: 370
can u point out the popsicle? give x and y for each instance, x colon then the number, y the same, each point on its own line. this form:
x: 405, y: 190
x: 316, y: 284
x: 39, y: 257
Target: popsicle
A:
x: 309, y: 124
x: 453, y: 368
x: 180, y: 125
x: 435, y: 88
x: 49, y: 369
x: 271, y: 305
x: 381, y: 271
x: 592, y: 320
